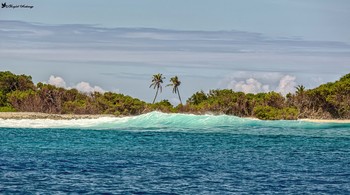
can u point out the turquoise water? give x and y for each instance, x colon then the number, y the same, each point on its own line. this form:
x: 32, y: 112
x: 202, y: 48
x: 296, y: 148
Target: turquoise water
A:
x: 174, y: 154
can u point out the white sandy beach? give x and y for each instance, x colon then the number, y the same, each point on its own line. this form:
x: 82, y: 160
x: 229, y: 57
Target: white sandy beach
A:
x: 325, y: 120
x: 36, y: 115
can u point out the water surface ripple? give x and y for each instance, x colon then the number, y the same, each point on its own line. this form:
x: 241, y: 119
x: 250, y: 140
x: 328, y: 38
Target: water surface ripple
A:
x: 250, y: 158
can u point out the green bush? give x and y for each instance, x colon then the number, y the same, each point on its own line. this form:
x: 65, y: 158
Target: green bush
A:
x: 271, y: 113
x: 7, y: 109
x: 163, y: 106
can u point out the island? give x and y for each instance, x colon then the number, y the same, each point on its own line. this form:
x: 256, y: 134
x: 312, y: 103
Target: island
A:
x: 18, y: 94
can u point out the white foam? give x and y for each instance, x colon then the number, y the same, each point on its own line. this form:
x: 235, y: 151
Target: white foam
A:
x: 158, y: 120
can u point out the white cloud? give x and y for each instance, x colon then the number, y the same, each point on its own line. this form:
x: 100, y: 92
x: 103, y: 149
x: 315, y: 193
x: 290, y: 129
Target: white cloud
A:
x: 84, y: 87
x: 286, y: 85
x: 57, y: 81
x: 256, y: 82
x: 248, y: 86
x: 269, y: 78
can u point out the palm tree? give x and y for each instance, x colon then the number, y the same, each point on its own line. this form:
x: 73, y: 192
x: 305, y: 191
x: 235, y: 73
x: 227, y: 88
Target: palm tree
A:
x: 156, y: 82
x: 300, y: 89
x: 300, y: 97
x: 175, y: 83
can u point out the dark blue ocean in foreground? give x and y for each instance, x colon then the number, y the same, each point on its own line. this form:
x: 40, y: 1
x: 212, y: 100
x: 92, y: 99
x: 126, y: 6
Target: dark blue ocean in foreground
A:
x: 174, y: 154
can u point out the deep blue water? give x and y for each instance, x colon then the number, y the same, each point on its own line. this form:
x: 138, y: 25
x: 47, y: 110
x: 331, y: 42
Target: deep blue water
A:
x: 252, y: 157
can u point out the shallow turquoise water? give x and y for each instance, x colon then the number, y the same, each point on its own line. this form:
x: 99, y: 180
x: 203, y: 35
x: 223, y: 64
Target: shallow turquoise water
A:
x: 174, y: 154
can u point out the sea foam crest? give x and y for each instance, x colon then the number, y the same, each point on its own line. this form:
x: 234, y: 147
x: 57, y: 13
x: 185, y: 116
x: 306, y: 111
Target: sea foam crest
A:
x: 158, y: 120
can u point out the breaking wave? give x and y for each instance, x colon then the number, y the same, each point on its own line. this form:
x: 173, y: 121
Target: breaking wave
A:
x: 158, y: 120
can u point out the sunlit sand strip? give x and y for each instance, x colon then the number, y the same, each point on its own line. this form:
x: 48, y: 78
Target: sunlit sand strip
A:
x: 36, y: 115
x: 325, y: 120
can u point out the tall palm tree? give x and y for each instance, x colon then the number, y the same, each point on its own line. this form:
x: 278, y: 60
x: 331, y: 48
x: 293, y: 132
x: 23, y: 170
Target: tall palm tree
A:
x: 156, y: 83
x: 175, y: 83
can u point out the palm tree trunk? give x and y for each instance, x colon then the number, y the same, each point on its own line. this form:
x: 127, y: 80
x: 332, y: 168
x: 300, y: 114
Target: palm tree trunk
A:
x: 178, y: 93
x: 155, y: 96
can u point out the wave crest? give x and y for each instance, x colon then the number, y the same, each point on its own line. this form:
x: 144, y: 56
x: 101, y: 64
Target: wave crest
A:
x: 158, y: 120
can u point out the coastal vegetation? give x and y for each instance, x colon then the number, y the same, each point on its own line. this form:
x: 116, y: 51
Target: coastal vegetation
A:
x: 328, y: 101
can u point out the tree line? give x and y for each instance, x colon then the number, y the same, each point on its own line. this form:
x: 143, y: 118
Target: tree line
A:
x: 327, y: 101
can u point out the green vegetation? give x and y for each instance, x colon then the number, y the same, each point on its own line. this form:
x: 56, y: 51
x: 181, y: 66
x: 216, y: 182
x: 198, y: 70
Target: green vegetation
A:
x: 18, y: 93
x: 272, y: 113
x: 164, y: 106
x: 267, y: 106
x: 328, y: 101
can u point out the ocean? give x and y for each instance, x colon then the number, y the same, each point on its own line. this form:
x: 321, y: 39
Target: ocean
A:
x: 159, y: 153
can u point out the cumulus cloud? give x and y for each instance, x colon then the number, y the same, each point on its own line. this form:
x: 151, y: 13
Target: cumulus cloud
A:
x: 57, y: 81
x: 248, y: 86
x: 286, y: 85
x: 84, y: 87
x: 256, y: 82
x: 87, y: 88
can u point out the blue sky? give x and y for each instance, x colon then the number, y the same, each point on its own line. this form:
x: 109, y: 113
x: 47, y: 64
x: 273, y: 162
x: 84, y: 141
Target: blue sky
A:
x: 250, y: 45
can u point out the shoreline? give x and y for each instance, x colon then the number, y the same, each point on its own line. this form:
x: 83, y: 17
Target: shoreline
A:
x: 38, y: 115
x: 325, y: 120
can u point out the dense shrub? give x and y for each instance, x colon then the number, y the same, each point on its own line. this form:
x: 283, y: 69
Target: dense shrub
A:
x: 272, y: 113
